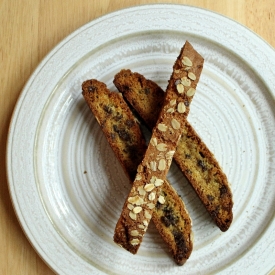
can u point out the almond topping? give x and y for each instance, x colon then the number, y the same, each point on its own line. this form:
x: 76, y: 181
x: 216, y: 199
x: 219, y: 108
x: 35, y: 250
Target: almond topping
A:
x: 141, y: 226
x: 153, y: 179
x: 147, y: 215
x: 181, y: 108
x: 185, y: 81
x: 191, y: 76
x: 186, y: 61
x: 162, y: 127
x: 135, y: 200
x: 154, y: 141
x: 132, y: 215
x: 180, y: 88
x: 134, y: 242
x: 152, y: 196
x: 169, y: 155
x: 140, y: 168
x: 130, y: 206
x: 137, y: 209
x: 175, y: 124
x: 170, y: 110
x: 161, y: 199
x: 161, y: 147
x: 138, y: 177
x: 173, y: 102
x: 162, y: 165
x: 191, y: 92
x: 134, y: 233
x: 153, y: 166
x: 150, y: 205
x: 149, y: 187
x: 141, y: 191
x: 158, y: 182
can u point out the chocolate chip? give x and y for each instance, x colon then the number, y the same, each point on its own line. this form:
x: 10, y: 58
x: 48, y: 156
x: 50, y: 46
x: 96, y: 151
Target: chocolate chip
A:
x: 123, y: 134
x: 188, y: 171
x: 187, y: 156
x: 223, y: 190
x: 180, y: 242
x: 129, y: 123
x: 169, y: 217
x: 202, y: 155
x: 210, y: 197
x: 147, y: 91
x: 118, y: 116
x: 202, y: 165
x: 113, y: 136
x: 107, y: 109
x: 92, y: 88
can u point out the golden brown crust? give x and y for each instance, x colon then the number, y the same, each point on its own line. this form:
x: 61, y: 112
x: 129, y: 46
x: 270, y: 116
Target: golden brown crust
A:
x: 193, y: 157
x: 171, y: 218
x: 147, y: 186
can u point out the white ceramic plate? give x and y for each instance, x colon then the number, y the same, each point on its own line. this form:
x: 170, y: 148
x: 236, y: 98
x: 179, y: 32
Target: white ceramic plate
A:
x: 68, y: 188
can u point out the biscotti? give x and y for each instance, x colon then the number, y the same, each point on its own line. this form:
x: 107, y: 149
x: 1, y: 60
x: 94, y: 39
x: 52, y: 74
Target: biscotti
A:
x: 151, y: 173
x: 193, y: 157
x: 128, y: 143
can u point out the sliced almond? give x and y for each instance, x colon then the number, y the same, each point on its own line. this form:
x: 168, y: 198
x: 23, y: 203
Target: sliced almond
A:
x: 136, y: 200
x: 130, y: 206
x: 185, y: 81
x: 158, y: 182
x: 141, y: 190
x: 186, y: 61
x: 180, y: 88
x: 162, y: 127
x: 137, y: 209
x: 173, y: 102
x: 132, y: 215
x: 190, y: 92
x: 154, y: 141
x: 134, y: 242
x: 161, y: 199
x: 153, y: 166
x: 134, y: 233
x: 170, y: 110
x: 147, y: 215
x: 181, y: 108
x: 192, y: 76
x: 161, y: 147
x: 169, y: 155
x: 153, y: 179
x: 140, y: 168
x: 151, y: 205
x: 162, y: 165
x: 152, y: 196
x: 175, y: 124
x: 149, y: 187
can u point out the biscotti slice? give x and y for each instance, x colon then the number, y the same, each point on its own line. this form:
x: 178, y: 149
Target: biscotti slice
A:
x: 128, y: 143
x: 193, y: 157
x: 152, y: 171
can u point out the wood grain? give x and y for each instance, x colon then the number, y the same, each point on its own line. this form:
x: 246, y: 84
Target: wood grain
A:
x: 29, y: 30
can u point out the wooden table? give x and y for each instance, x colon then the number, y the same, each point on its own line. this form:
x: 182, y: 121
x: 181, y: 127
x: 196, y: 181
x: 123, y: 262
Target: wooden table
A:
x: 29, y: 29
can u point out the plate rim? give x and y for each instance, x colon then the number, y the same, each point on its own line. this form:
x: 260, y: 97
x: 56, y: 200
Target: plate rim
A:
x: 24, y: 93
